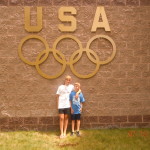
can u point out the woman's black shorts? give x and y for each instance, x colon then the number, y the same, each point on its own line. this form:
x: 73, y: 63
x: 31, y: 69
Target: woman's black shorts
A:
x: 64, y: 111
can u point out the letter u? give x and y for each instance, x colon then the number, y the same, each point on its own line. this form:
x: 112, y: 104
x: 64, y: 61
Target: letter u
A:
x: 28, y: 26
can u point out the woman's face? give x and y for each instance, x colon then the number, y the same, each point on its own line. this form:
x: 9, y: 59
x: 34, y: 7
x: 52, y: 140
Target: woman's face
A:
x: 67, y: 81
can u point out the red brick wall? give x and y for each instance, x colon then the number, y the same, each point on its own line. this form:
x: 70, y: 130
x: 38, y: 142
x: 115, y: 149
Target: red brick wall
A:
x: 117, y: 96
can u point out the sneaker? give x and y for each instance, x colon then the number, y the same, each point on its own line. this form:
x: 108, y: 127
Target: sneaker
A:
x: 78, y: 133
x: 72, y: 134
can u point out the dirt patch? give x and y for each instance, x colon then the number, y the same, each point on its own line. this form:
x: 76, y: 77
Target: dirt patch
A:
x: 67, y: 144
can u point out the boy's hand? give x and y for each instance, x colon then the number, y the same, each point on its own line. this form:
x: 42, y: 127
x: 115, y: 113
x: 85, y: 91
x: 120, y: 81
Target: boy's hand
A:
x: 72, y: 111
x: 76, y: 96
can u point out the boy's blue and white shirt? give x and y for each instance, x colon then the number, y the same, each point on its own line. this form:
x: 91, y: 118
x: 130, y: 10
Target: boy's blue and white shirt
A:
x: 76, y: 103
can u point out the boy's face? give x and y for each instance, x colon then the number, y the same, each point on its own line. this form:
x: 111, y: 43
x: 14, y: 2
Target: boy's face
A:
x: 76, y: 87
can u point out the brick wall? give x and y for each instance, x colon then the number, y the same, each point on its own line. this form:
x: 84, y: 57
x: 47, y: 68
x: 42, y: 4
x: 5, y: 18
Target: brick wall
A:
x: 117, y: 96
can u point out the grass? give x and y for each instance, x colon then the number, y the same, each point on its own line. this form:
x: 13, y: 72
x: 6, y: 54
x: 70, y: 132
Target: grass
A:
x: 106, y: 139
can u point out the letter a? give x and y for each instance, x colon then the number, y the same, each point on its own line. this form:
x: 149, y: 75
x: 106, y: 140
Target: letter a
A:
x: 104, y: 24
x: 30, y: 28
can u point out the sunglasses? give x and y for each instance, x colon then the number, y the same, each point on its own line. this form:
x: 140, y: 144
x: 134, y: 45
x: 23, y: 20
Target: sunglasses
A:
x: 68, y: 79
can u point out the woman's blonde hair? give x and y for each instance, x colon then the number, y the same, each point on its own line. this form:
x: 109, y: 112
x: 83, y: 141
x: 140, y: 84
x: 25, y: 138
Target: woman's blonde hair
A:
x: 68, y: 77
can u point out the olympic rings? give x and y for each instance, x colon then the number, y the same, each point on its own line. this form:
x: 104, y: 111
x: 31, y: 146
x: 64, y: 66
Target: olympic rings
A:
x: 63, y: 62
x: 42, y: 56
x: 110, y: 40
x: 68, y: 37
x: 32, y: 37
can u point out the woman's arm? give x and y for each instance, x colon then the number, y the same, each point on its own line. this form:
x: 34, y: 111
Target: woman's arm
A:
x: 57, y: 100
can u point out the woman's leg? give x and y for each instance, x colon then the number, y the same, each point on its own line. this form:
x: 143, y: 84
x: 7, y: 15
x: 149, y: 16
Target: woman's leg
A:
x: 61, y: 122
x: 65, y: 123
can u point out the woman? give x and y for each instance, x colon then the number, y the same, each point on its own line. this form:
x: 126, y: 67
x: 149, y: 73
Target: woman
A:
x: 64, y: 104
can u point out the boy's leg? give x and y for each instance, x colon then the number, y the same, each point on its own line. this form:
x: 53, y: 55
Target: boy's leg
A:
x: 73, y: 124
x: 78, y: 128
x: 78, y: 125
x: 78, y: 121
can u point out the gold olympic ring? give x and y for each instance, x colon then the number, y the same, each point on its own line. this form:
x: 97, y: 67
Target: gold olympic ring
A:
x: 72, y: 61
x: 32, y: 37
x: 62, y: 61
x: 110, y: 40
x: 61, y: 58
x: 67, y: 37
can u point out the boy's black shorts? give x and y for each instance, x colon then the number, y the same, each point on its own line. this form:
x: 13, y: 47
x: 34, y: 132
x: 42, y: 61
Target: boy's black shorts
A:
x: 75, y: 116
x: 64, y: 111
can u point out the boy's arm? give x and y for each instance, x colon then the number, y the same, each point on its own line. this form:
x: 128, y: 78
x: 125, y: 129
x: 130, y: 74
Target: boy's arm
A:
x: 70, y: 99
x: 82, y: 101
x: 71, y: 107
x: 81, y: 107
x: 77, y: 94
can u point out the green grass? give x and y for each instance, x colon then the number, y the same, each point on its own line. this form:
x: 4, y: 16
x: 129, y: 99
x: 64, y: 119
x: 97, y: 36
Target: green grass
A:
x: 106, y: 139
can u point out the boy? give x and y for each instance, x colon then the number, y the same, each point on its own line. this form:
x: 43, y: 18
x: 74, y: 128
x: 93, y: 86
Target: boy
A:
x: 76, y: 108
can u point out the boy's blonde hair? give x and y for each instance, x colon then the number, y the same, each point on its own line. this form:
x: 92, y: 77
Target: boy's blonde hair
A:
x: 77, y: 83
